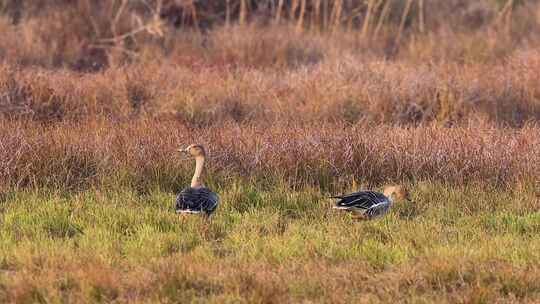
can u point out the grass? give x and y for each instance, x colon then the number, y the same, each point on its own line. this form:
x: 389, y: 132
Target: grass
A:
x: 269, y: 246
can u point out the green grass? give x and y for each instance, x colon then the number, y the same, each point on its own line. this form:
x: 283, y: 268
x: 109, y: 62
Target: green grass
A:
x: 269, y: 246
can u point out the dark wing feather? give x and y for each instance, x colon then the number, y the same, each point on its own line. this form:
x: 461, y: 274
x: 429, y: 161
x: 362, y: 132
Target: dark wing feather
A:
x: 208, y: 200
x: 196, y: 199
x: 377, y: 210
x: 185, y: 199
x: 361, y: 199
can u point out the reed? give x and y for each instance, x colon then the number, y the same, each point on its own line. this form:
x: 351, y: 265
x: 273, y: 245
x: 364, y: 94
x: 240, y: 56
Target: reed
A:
x: 141, y: 154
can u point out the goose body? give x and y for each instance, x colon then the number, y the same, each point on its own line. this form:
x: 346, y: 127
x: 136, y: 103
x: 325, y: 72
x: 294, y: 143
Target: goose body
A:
x: 196, y: 198
x: 370, y: 204
x: 367, y: 203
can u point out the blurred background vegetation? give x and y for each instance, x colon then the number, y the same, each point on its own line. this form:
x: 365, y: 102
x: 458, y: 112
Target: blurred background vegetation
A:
x: 90, y: 35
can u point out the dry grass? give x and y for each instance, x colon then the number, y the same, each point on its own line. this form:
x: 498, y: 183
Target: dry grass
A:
x: 484, y: 69
x: 345, y: 90
x: 142, y: 153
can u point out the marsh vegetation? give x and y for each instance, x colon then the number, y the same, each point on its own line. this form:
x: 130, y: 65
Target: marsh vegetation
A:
x: 295, y: 101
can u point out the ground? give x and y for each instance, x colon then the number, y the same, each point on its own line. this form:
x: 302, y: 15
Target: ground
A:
x: 450, y: 244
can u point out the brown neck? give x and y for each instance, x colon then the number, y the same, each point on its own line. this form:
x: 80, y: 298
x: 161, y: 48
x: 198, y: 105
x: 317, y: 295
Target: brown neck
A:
x: 199, y: 165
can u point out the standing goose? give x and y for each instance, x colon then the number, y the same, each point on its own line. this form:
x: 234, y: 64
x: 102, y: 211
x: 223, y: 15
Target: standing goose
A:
x: 370, y: 204
x: 196, y: 198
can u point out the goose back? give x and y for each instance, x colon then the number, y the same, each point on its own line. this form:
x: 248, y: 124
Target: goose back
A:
x: 371, y: 203
x: 194, y: 200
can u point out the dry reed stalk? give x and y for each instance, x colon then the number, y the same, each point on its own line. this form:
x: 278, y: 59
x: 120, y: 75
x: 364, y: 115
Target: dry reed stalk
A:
x: 243, y: 12
x: 402, y: 24
x: 421, y: 16
x: 508, y: 21
x: 502, y: 14
x: 316, y: 14
x: 300, y: 23
x: 227, y: 13
x: 354, y: 13
x: 378, y: 5
x: 504, y: 18
x: 194, y: 14
x: 153, y: 26
x: 293, y: 8
x: 365, y: 26
x: 336, y: 12
x: 117, y: 17
x: 93, y: 21
x: 382, y: 18
x: 183, y: 18
x: 375, y: 9
x: 279, y: 11
x: 350, y: 19
x: 326, y: 14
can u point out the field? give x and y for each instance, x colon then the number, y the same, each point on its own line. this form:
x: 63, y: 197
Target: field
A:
x: 295, y: 101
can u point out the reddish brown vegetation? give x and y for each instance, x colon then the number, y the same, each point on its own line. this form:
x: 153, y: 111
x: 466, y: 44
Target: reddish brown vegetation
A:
x: 346, y: 90
x: 309, y: 99
x: 143, y: 153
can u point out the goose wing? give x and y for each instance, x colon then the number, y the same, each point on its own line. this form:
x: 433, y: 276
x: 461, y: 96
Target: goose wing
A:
x: 195, y: 200
x: 209, y: 200
x: 187, y: 200
x: 377, y: 209
x: 360, y: 200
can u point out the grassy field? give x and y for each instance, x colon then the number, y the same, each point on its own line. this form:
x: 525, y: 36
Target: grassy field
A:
x: 454, y: 244
x: 87, y: 214
x: 295, y: 100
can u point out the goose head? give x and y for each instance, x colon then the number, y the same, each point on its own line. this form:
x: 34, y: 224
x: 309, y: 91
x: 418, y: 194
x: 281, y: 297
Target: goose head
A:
x: 396, y: 192
x: 194, y: 150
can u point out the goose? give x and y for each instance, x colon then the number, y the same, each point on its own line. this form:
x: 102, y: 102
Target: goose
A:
x: 196, y: 198
x: 370, y: 204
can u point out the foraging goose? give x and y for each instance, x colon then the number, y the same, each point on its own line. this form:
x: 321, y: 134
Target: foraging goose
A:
x: 196, y: 198
x: 370, y: 204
